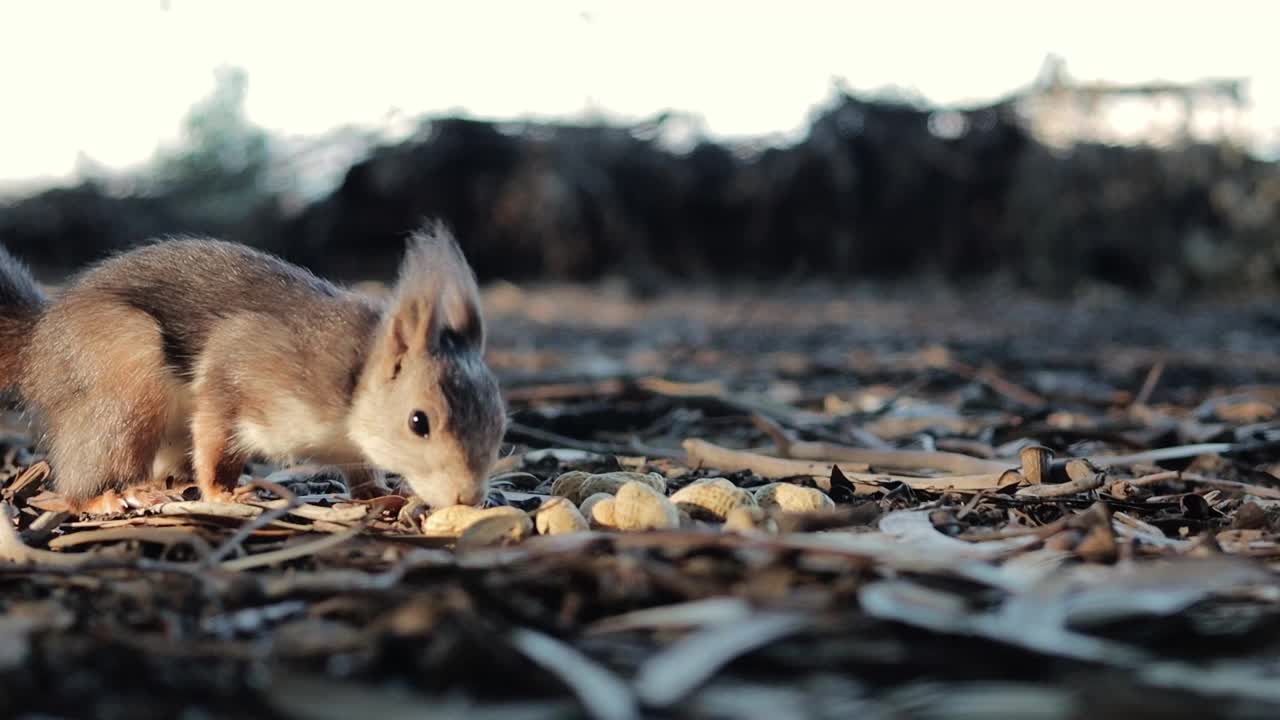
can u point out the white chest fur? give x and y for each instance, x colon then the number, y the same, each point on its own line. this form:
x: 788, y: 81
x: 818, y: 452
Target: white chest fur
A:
x: 292, y: 430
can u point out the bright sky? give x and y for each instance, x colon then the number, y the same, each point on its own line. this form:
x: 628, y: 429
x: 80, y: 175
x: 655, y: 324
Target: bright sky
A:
x: 113, y: 79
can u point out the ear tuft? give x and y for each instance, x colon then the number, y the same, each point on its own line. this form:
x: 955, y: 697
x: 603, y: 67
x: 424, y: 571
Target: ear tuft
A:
x: 436, y: 304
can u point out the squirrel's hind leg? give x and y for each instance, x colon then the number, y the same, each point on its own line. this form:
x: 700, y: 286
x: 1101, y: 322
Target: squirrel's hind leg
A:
x: 105, y: 401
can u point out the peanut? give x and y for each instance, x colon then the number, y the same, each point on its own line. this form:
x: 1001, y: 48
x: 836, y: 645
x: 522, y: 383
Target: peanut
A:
x: 496, y: 529
x: 598, y: 510
x: 452, y: 521
x: 744, y: 519
x: 711, y: 498
x: 578, y: 486
x: 557, y: 516
x: 637, y: 506
x: 792, y: 498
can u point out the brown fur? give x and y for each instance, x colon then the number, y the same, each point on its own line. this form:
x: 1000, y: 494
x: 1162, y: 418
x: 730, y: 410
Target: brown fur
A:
x: 192, y: 356
x: 20, y: 303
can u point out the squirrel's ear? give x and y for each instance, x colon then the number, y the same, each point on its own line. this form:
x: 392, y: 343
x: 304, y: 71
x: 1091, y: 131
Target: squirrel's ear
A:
x: 436, y: 304
x: 409, y: 326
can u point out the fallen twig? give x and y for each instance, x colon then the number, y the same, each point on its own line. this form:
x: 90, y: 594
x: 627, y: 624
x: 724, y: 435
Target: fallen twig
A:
x: 27, y: 483
x: 1262, y: 491
x: 159, y: 535
x: 233, y: 543
x: 42, y: 527
x: 294, y: 552
x: 1071, y: 487
x: 862, y: 459
x: 1154, y: 478
x: 13, y: 550
x: 703, y: 453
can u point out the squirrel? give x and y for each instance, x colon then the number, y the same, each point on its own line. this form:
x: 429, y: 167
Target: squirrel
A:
x: 188, y: 357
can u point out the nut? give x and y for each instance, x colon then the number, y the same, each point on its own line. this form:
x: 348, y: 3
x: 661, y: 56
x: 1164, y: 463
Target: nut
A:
x: 744, y: 519
x: 452, y: 521
x: 637, y: 506
x: 557, y: 516
x: 602, y: 514
x: 496, y: 529
x: 578, y: 485
x: 793, y: 498
x: 598, y: 510
x: 711, y: 498
x: 569, y: 485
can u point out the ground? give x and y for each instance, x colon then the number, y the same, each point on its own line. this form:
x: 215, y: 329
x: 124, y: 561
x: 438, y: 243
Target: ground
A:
x: 1032, y: 558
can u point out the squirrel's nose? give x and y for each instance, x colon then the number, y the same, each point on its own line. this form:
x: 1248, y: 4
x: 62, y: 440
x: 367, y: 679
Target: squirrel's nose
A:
x: 473, y: 494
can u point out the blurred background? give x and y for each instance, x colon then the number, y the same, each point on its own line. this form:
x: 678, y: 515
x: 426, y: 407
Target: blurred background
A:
x: 1052, y: 147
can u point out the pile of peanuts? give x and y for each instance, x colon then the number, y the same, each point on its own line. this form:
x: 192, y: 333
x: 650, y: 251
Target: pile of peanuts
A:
x: 628, y: 501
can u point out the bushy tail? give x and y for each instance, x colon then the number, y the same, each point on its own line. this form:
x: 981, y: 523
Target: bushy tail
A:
x: 21, y: 302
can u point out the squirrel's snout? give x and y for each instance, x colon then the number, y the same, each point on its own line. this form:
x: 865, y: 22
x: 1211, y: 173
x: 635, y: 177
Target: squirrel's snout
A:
x: 473, y: 494
x: 445, y: 489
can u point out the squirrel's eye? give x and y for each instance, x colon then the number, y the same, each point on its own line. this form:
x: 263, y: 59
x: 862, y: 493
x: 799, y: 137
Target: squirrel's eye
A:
x: 419, y: 424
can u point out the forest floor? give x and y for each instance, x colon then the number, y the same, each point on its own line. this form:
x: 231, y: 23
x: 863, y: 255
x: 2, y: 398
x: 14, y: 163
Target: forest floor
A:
x: 936, y: 504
